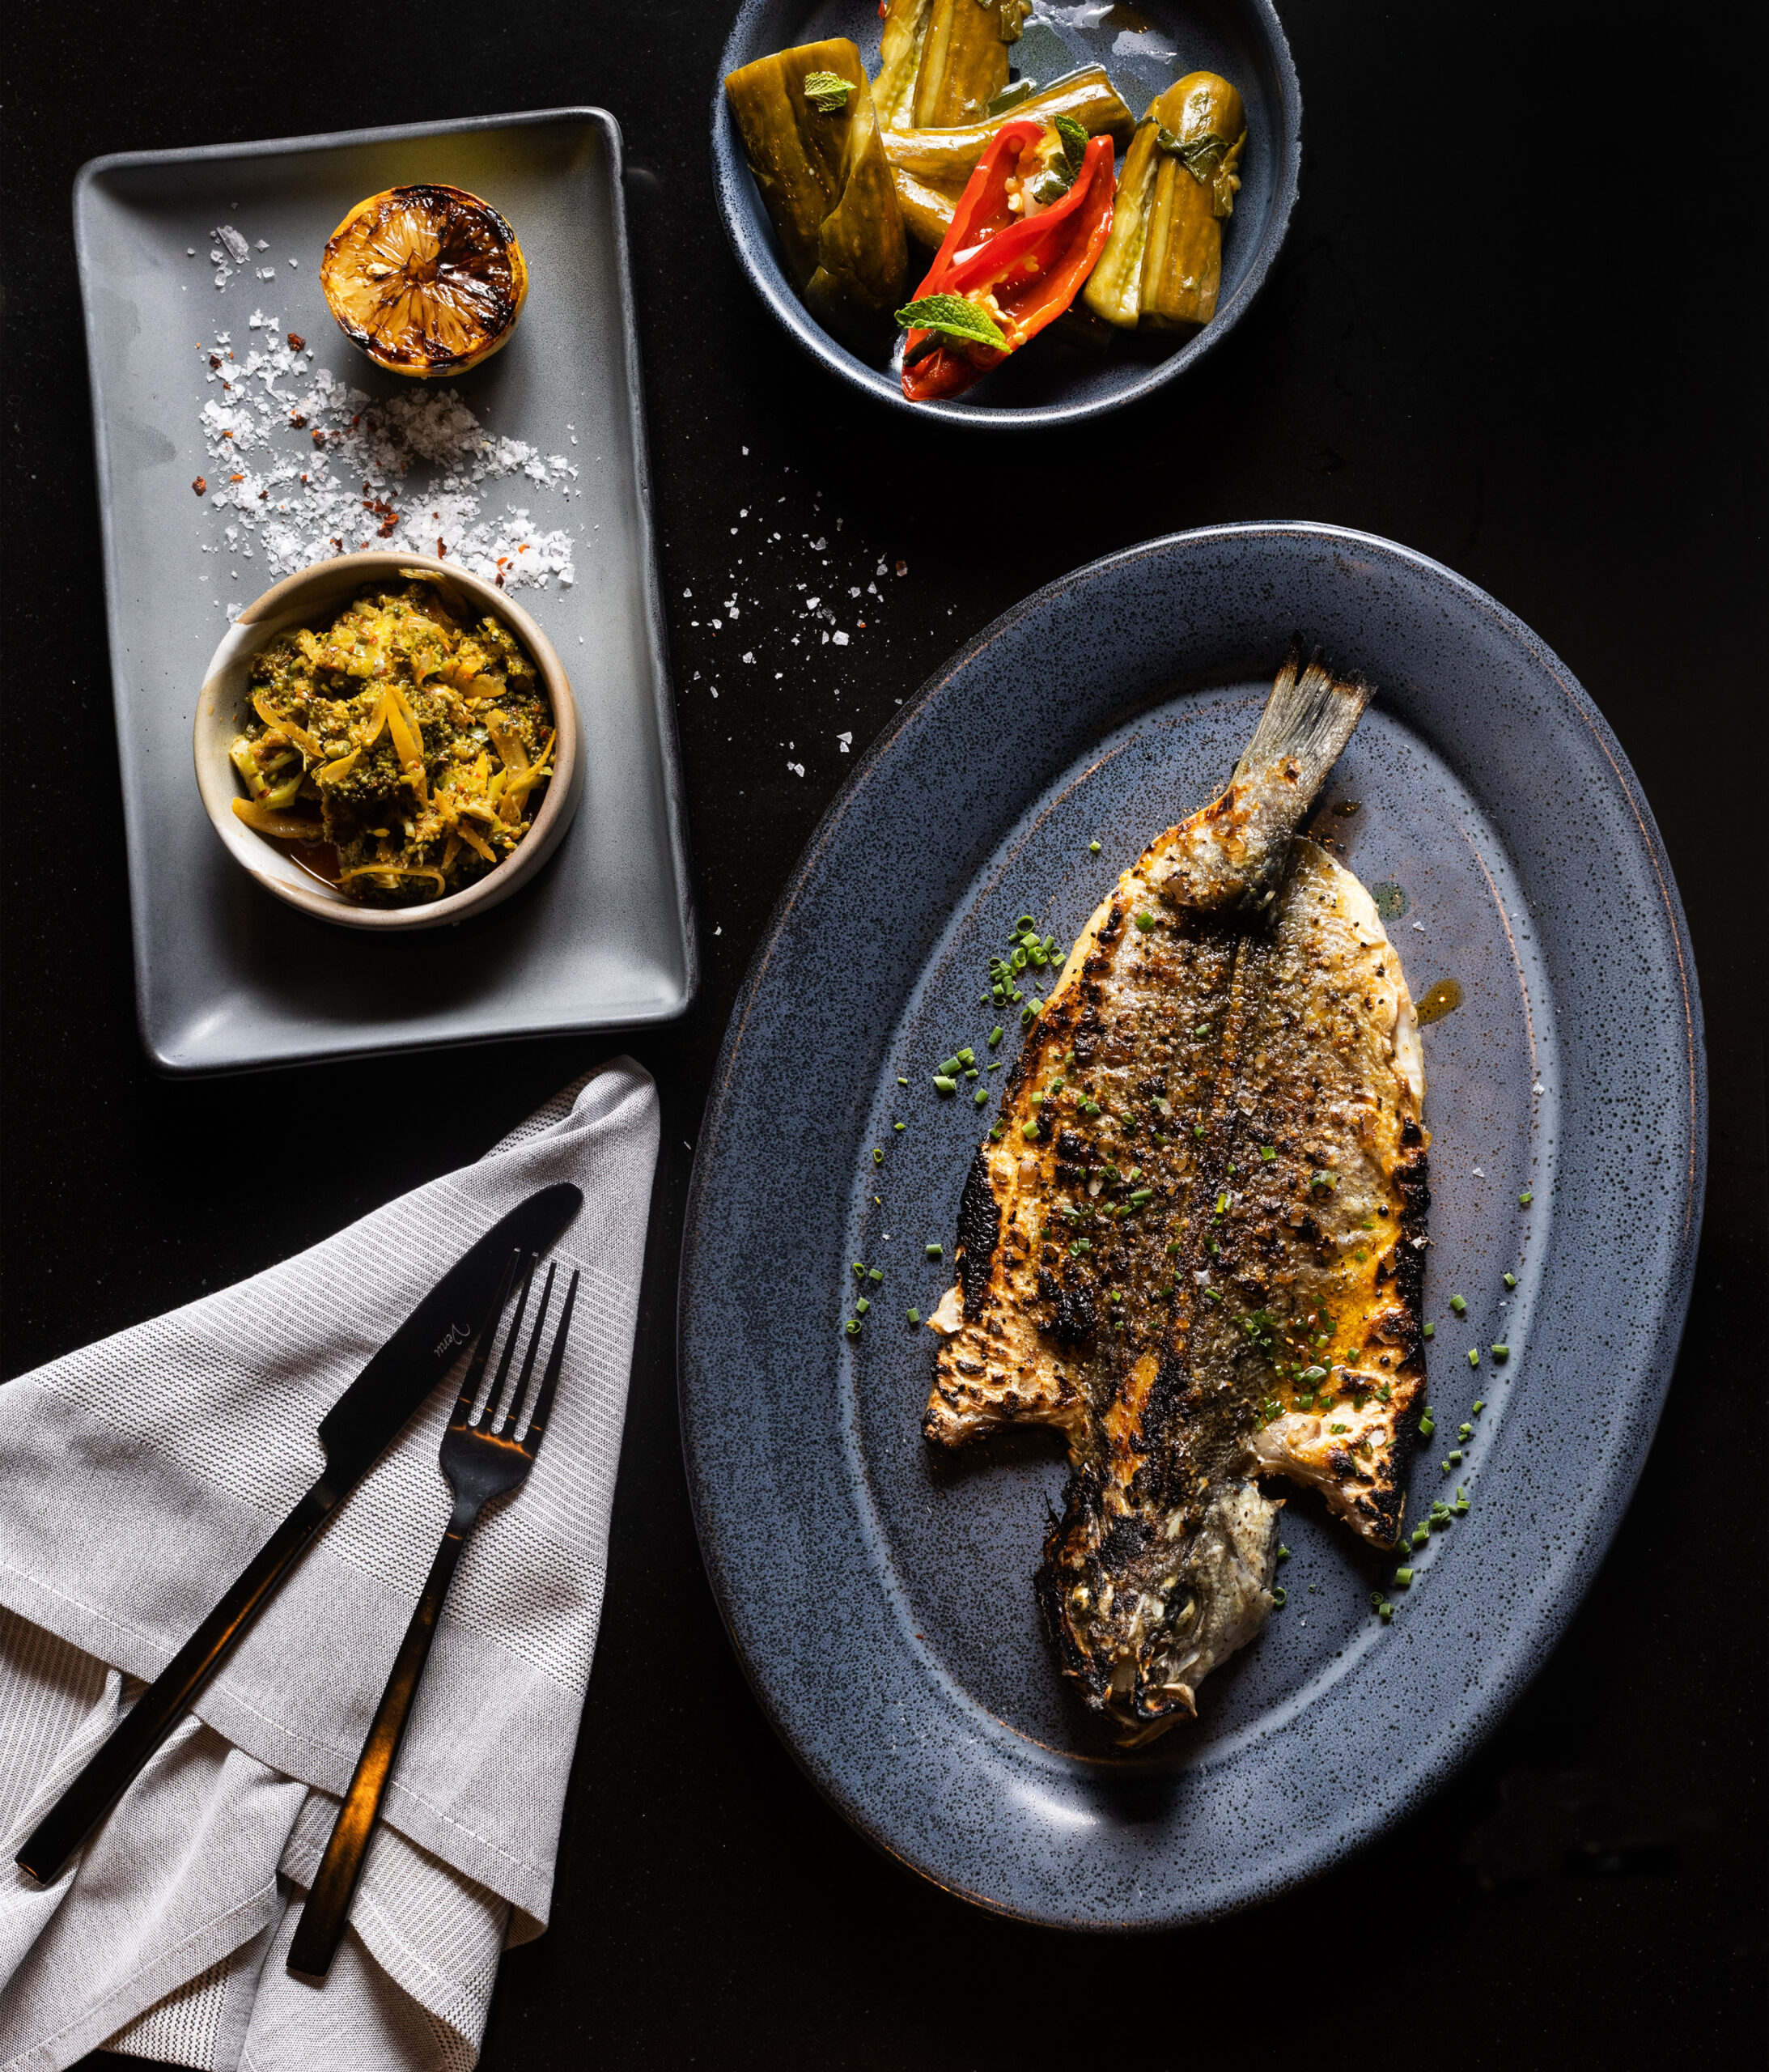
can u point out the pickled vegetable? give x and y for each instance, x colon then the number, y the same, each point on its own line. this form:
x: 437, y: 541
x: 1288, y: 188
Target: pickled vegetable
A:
x: 1027, y: 230
x: 1162, y: 265
x: 943, y: 62
x: 806, y: 121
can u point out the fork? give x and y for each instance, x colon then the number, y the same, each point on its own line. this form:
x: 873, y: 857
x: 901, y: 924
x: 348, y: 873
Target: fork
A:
x: 484, y: 1455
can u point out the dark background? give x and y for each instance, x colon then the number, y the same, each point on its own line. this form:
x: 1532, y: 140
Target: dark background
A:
x: 1516, y: 325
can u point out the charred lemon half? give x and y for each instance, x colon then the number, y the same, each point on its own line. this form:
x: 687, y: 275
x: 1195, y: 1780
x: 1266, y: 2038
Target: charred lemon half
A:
x: 427, y: 280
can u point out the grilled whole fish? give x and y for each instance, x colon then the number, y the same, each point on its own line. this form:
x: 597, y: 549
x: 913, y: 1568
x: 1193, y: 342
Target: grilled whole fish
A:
x: 1195, y: 1241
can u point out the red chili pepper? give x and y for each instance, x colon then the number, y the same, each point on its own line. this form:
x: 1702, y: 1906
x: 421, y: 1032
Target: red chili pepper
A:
x: 1032, y: 267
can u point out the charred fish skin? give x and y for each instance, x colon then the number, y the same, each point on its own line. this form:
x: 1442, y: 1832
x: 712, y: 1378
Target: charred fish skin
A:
x: 1197, y: 1246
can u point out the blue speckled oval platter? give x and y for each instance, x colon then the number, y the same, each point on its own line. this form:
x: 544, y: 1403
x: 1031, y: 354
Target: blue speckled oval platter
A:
x: 1144, y: 51
x: 880, y: 1597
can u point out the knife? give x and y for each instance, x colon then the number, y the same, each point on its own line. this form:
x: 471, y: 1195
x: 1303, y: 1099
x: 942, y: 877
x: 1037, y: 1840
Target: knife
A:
x: 355, y: 1432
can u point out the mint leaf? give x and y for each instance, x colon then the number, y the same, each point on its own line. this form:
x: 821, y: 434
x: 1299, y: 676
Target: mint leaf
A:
x: 1074, y: 142
x: 827, y: 91
x: 1201, y: 157
x: 1010, y: 97
x: 954, y: 318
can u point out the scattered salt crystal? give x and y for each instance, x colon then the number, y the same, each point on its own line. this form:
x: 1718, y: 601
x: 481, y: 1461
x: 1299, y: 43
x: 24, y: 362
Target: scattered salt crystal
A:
x: 747, y: 656
x: 844, y: 742
x: 294, y: 262
x: 1477, y: 1174
x: 237, y: 247
x: 264, y: 245
x: 267, y: 273
x: 797, y: 768
x: 839, y: 638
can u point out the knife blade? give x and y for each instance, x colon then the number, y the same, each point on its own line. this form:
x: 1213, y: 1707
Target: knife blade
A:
x: 355, y: 1432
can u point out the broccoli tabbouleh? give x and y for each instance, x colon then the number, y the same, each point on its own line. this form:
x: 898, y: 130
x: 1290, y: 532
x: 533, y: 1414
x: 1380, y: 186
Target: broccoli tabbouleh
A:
x: 402, y: 751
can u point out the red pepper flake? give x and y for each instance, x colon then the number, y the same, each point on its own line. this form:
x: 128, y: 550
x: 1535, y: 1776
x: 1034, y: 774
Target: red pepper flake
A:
x: 524, y: 548
x: 214, y: 359
x: 297, y: 343
x: 356, y: 421
x: 339, y: 545
x: 226, y: 435
x: 264, y: 496
x: 298, y: 421
x: 304, y: 478
x: 236, y: 478
x: 319, y: 437
x: 200, y: 486
x: 499, y: 579
x: 442, y: 552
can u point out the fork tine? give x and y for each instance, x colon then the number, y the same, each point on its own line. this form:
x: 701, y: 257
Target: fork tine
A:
x: 488, y: 1332
x: 550, y: 1379
x: 506, y: 1425
x: 487, y: 1417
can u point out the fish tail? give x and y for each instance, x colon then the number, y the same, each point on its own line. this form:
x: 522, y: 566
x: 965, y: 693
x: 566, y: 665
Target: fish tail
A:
x: 1231, y: 855
x: 1311, y: 713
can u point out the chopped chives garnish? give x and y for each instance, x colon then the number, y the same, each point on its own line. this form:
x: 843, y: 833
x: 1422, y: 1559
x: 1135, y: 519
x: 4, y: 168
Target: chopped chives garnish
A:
x: 1473, y: 1357
x: 1267, y: 1152
x: 982, y: 1097
x: 1430, y: 1330
x: 1525, y: 1199
x: 852, y: 1327
x: 1501, y: 1351
x: 1280, y: 1595
x: 951, y: 1066
x: 1455, y: 1459
x: 901, y: 1080
x: 1421, y: 1535
x: 967, y: 1056
x: 1404, y: 1577
x: 859, y: 1270
x: 1093, y: 848
x: 1480, y: 1406
x: 1143, y: 1194
x: 1427, y: 1425
x: 1030, y: 1132
x: 945, y: 1084
x: 1211, y: 1296
x: 935, y: 1252
x: 861, y: 1305
x: 1384, y: 1612
x: 915, y: 1316
x: 875, y: 1273
x: 1284, y: 1553
x: 1145, y: 922
x: 1464, y: 1431
x: 897, y: 1126
x: 1510, y: 1280
x: 1198, y: 1129
x: 1459, y: 1304
x: 1080, y: 1245
x: 995, y: 1036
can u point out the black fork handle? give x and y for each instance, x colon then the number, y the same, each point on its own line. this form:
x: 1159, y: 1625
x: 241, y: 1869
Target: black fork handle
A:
x: 126, y: 1753
x: 321, y: 1927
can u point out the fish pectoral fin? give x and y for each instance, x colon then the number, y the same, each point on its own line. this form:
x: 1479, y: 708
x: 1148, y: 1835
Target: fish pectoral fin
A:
x: 1348, y: 1455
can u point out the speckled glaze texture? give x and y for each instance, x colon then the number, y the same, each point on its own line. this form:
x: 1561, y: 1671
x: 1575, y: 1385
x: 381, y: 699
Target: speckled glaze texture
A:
x: 1049, y: 382
x: 880, y: 1597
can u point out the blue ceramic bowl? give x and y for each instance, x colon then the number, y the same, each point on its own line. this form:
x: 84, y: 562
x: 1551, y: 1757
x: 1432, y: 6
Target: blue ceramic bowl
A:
x: 1050, y: 382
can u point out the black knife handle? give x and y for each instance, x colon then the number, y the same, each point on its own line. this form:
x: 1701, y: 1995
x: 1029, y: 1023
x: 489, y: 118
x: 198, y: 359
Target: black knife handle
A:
x: 115, y: 1766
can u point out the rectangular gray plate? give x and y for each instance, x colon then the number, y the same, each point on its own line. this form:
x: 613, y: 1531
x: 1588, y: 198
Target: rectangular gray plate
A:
x: 226, y: 978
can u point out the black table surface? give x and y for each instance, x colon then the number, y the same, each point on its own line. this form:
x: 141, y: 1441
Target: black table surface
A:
x: 1517, y: 326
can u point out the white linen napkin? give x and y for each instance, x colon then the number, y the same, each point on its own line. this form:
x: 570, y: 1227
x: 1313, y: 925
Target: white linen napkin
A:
x: 140, y: 1476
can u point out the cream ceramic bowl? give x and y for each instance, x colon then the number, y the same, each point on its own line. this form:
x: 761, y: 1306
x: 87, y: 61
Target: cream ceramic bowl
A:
x: 313, y: 597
